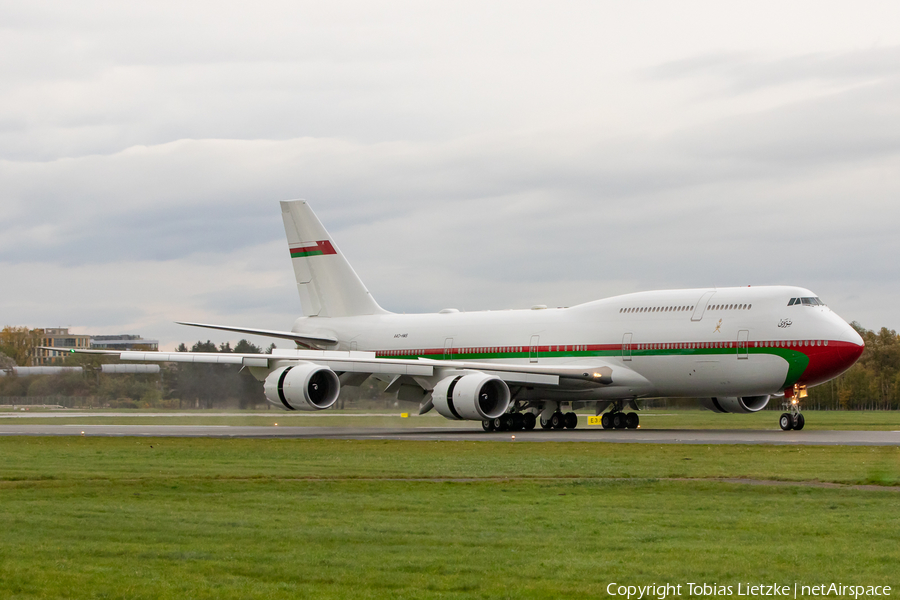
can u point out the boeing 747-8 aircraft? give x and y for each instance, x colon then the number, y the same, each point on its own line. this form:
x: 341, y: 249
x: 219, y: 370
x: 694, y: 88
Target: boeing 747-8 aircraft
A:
x: 734, y: 348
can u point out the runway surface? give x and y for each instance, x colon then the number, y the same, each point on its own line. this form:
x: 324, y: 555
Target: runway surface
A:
x: 645, y: 436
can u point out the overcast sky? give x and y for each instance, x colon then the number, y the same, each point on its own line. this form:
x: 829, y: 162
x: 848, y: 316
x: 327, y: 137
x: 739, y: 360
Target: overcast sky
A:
x: 476, y: 155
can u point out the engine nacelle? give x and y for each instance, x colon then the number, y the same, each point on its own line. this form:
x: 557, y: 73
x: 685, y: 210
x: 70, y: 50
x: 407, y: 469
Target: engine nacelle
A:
x: 476, y: 397
x: 731, y: 404
x: 304, y: 386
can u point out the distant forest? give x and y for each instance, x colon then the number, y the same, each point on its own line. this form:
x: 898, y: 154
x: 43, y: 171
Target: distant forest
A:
x: 873, y: 383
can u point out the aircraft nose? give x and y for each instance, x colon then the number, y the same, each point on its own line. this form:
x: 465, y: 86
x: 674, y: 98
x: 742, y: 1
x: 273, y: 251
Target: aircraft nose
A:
x: 852, y: 347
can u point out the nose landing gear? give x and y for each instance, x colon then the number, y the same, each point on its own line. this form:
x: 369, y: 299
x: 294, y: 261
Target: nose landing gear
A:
x: 792, y: 419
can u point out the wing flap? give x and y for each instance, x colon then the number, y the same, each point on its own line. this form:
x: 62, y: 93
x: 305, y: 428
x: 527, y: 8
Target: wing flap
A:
x: 185, y: 357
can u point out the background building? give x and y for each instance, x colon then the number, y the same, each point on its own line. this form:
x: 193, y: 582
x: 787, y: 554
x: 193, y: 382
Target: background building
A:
x: 23, y: 345
x: 123, y: 342
x: 57, y: 337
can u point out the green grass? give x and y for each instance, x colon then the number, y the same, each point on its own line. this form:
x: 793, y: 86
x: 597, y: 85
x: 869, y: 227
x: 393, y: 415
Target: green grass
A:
x: 208, y: 518
x: 651, y: 419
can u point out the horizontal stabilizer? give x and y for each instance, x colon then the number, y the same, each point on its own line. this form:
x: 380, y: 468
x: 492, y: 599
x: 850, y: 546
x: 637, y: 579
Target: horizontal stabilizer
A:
x: 301, y: 338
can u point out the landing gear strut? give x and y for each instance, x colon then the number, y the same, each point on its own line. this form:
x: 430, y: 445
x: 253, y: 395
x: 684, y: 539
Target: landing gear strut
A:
x: 616, y: 419
x: 793, y: 419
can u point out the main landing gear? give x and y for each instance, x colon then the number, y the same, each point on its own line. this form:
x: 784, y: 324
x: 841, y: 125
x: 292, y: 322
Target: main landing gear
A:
x: 793, y: 419
x: 616, y: 419
x: 560, y: 420
x: 620, y: 420
x: 519, y: 421
x: 516, y: 421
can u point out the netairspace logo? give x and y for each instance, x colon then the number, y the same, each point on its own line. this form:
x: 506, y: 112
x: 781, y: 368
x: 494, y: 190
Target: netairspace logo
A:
x: 696, y: 590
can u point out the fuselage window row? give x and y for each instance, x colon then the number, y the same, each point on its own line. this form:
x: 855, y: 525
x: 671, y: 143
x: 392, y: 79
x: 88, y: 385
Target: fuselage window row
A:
x: 686, y: 308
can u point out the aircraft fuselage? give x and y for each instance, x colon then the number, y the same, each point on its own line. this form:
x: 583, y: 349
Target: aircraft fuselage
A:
x: 743, y: 341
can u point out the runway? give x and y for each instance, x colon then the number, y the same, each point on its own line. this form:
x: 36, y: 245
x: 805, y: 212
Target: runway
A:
x: 641, y: 436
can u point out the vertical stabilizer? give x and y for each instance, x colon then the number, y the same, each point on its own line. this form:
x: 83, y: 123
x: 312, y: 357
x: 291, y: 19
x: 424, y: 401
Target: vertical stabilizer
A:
x: 328, y: 285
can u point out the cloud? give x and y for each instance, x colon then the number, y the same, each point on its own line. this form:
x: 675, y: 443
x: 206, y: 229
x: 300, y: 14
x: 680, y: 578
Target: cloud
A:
x: 467, y: 155
x: 746, y: 72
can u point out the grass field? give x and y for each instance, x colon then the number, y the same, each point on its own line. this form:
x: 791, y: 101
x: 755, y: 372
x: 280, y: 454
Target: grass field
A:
x: 208, y: 518
x: 651, y: 419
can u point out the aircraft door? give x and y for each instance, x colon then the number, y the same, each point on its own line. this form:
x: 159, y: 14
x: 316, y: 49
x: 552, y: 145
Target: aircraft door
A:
x: 701, y: 306
x: 743, y: 344
x: 533, y: 349
x: 448, y: 349
x: 626, y: 347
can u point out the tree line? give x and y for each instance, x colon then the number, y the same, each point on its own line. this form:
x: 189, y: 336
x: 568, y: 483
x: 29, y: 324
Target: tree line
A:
x: 873, y: 383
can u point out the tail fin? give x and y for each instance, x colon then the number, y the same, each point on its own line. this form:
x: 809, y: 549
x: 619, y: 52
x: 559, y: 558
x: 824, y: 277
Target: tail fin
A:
x: 328, y: 285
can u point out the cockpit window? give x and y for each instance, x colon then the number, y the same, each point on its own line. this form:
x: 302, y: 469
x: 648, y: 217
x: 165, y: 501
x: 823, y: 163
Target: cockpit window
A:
x: 806, y: 302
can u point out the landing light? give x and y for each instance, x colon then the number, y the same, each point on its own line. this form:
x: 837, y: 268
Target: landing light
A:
x: 794, y: 401
x: 597, y: 375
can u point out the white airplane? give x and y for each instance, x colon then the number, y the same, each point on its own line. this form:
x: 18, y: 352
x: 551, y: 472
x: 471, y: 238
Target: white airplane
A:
x: 734, y: 348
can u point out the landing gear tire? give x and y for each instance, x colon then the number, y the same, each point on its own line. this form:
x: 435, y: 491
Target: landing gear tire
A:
x: 545, y: 424
x: 556, y: 421
x: 618, y: 420
x: 606, y: 421
x: 799, y: 422
x: 632, y: 420
x: 499, y: 424
x: 510, y: 424
x: 530, y: 421
x: 488, y: 425
x: 518, y: 421
x: 571, y: 420
x: 786, y: 422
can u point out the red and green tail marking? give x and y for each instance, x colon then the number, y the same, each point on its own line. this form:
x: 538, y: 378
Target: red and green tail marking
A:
x: 313, y: 249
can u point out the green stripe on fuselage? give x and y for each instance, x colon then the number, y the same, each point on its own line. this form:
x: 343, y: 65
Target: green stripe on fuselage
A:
x: 797, y: 361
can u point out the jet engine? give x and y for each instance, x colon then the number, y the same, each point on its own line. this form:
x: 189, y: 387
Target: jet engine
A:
x: 475, y: 396
x: 731, y: 404
x: 304, y: 386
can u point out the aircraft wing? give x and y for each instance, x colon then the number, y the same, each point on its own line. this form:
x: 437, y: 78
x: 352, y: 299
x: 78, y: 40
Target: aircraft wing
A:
x: 356, y: 362
x: 367, y: 362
